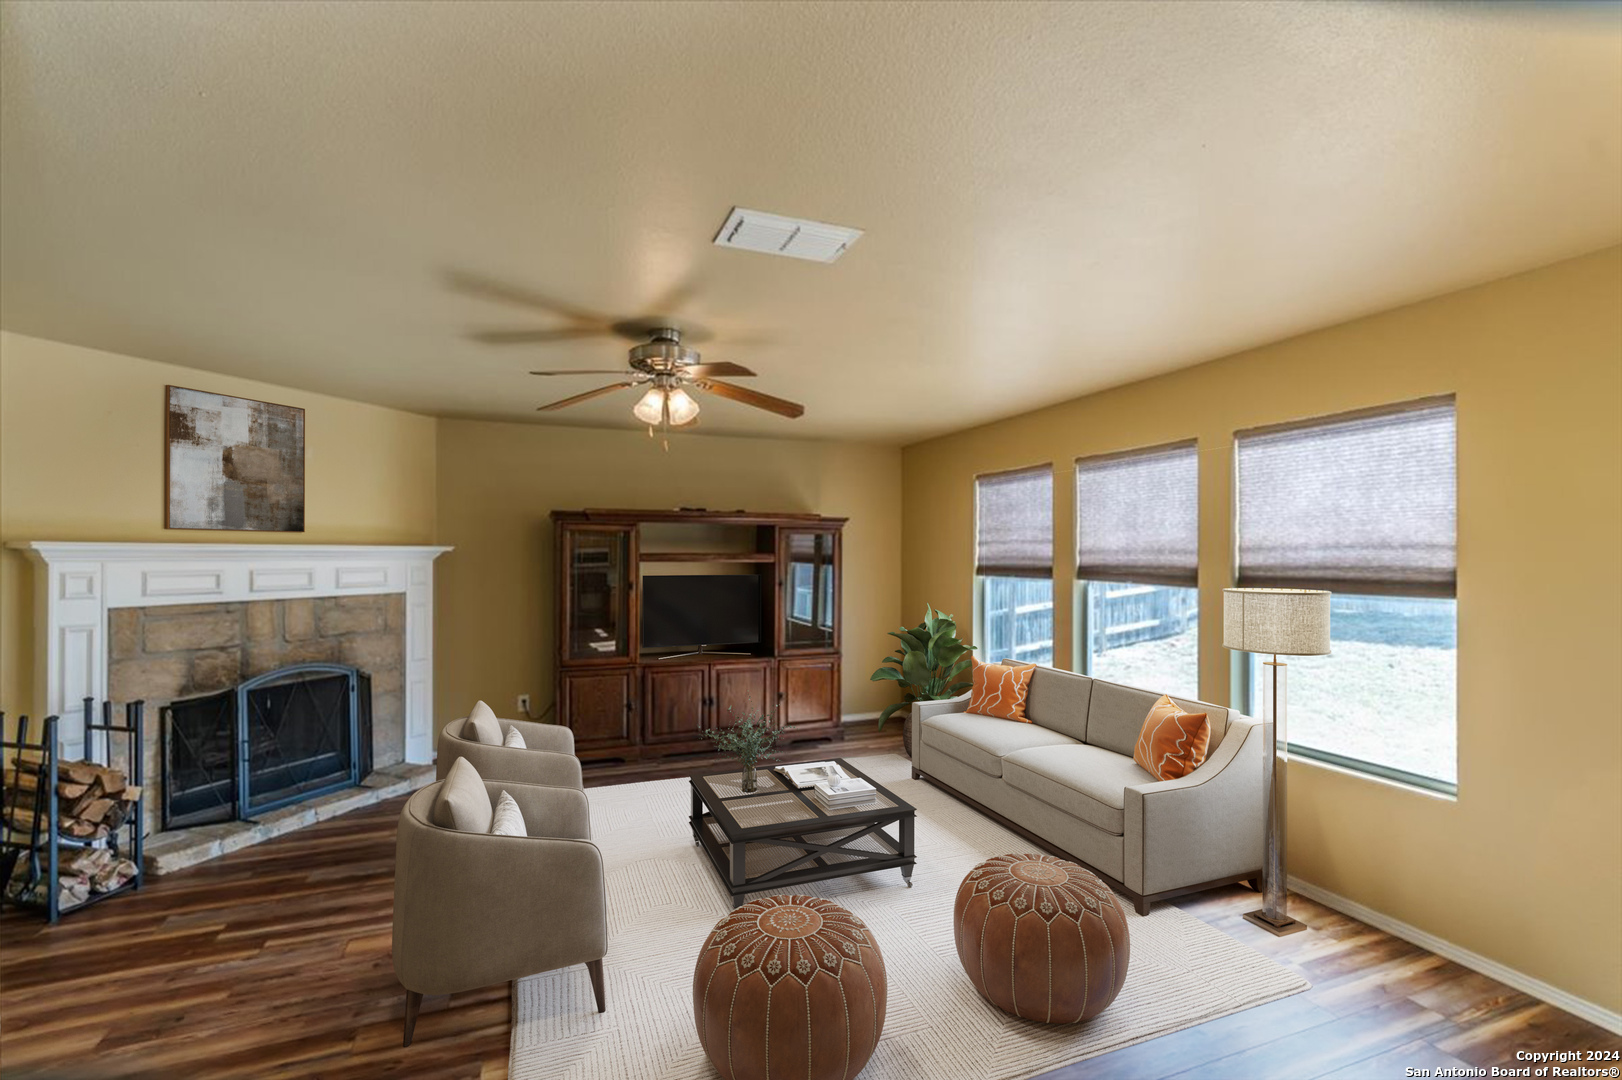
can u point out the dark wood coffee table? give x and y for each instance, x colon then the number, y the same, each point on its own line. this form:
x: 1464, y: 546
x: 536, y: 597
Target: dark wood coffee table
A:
x: 777, y: 836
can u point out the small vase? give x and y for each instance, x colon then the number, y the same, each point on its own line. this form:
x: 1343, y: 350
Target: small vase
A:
x: 749, y: 781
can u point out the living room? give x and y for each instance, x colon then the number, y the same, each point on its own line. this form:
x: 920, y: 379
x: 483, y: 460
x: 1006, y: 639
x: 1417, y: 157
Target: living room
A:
x: 1135, y: 469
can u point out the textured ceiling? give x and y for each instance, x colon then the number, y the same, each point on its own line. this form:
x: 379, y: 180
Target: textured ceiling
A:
x: 1056, y: 198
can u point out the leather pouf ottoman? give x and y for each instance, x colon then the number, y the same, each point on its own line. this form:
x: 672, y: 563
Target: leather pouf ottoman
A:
x: 795, y: 983
x: 1041, y: 938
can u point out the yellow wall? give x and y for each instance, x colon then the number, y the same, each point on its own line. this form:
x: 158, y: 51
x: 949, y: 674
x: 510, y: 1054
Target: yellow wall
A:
x: 1526, y: 866
x: 498, y: 482
x: 82, y: 453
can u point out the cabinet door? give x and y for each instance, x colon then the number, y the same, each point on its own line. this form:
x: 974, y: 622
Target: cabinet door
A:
x: 596, y: 565
x: 675, y: 703
x: 808, y: 692
x: 741, y: 689
x: 598, y: 706
x: 808, y: 595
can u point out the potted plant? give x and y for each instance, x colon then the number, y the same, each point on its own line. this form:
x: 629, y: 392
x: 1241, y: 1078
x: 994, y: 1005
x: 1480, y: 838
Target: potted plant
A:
x: 749, y: 739
x: 928, y: 665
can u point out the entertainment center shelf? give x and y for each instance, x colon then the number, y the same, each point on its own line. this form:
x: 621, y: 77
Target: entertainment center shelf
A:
x: 628, y: 697
x: 708, y: 556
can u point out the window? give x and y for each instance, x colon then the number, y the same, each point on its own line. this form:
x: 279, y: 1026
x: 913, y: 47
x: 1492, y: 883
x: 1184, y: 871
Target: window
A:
x: 1364, y: 505
x: 1016, y: 620
x: 1137, y: 558
x: 1014, y: 566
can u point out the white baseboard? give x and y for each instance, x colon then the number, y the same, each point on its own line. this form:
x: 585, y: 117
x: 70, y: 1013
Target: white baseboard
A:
x: 857, y: 717
x: 1526, y: 984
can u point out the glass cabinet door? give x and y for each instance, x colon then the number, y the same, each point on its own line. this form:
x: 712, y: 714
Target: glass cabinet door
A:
x: 596, y: 567
x: 810, y: 589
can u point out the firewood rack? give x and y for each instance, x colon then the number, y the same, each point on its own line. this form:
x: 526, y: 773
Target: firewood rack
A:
x: 31, y: 839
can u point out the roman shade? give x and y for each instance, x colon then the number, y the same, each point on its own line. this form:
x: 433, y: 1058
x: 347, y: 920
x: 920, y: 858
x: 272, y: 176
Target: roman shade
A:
x: 1363, y: 502
x: 1013, y: 523
x: 1138, y: 516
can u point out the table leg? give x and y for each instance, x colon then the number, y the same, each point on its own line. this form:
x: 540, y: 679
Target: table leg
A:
x: 698, y: 814
x: 906, y: 847
x: 737, y: 873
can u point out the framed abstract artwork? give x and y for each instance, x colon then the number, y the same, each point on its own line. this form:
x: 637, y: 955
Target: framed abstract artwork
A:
x: 233, y: 463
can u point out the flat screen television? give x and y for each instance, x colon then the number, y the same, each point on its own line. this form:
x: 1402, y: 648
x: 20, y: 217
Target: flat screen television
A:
x: 686, y: 610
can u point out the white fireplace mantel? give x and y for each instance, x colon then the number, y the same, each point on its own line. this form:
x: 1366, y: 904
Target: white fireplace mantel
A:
x: 77, y: 584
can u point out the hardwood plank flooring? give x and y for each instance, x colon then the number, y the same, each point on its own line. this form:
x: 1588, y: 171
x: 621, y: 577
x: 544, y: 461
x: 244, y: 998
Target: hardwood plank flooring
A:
x: 274, y: 962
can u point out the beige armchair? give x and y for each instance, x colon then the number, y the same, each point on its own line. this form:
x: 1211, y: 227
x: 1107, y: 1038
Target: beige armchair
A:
x: 548, y: 757
x: 465, y: 903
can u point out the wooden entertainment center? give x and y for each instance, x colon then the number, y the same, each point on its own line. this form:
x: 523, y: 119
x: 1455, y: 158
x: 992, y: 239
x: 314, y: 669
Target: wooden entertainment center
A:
x: 624, y: 701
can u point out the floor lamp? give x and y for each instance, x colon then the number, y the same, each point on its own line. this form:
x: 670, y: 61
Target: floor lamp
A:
x: 1284, y: 622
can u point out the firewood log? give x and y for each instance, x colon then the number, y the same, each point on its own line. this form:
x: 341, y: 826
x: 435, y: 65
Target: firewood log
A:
x: 80, y: 772
x: 95, y: 810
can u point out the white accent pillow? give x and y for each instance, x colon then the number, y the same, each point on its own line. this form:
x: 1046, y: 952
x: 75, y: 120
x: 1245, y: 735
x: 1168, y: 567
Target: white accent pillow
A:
x: 482, y: 725
x: 508, y: 821
x: 514, y: 739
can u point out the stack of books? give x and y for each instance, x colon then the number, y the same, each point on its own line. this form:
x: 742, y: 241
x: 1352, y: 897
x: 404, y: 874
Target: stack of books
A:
x: 842, y: 794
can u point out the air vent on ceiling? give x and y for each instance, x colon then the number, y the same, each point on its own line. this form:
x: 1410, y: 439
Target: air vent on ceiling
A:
x: 753, y: 230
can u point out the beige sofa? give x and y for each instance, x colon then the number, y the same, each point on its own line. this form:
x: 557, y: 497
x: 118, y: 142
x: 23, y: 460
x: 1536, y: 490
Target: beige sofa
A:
x: 548, y: 757
x: 1067, y: 781
x: 473, y: 909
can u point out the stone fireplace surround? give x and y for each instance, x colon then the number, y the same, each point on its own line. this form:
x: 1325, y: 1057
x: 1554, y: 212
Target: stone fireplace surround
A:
x: 165, y: 620
x: 163, y: 654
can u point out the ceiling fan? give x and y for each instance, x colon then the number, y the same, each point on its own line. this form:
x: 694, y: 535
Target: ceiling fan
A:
x: 669, y: 369
x: 663, y: 361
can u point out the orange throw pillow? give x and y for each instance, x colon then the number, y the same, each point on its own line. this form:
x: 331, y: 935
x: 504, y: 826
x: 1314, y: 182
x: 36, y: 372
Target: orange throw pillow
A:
x: 1000, y: 689
x: 1172, y: 742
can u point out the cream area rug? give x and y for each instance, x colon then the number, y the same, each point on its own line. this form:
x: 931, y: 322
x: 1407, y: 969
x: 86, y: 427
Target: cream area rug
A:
x: 664, y: 897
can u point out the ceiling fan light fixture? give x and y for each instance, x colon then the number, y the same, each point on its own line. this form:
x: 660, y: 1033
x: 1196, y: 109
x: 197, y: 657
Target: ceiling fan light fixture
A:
x: 683, y: 409
x: 651, y: 409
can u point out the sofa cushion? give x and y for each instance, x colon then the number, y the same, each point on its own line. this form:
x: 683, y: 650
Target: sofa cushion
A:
x: 1058, y: 701
x: 1172, y: 742
x: 482, y: 725
x: 999, y: 689
x: 981, y: 741
x: 1084, y: 781
x: 1115, y: 716
x: 515, y: 739
x: 463, y: 803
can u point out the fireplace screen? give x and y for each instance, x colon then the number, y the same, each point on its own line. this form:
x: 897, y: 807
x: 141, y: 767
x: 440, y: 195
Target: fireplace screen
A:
x: 276, y: 739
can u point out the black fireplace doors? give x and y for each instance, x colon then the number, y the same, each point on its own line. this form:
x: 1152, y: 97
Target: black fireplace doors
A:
x: 276, y: 739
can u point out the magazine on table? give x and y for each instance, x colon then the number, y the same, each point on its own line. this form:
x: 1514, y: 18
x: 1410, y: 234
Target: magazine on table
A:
x: 811, y: 773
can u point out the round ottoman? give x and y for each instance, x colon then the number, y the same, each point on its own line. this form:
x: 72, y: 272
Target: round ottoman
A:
x: 1041, y: 938
x: 790, y: 983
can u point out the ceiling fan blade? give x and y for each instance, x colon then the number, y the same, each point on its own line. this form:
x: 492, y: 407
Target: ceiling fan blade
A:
x: 490, y: 289
x: 533, y: 337
x: 777, y: 405
x: 584, y: 371
x: 704, y: 371
x: 587, y: 396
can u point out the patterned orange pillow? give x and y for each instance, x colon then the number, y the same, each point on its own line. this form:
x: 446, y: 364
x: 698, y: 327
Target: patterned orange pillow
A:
x: 1000, y: 690
x: 1172, y: 742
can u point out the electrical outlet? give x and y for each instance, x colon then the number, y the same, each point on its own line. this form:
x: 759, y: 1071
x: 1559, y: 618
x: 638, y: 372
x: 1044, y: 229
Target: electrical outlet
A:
x: 523, y: 704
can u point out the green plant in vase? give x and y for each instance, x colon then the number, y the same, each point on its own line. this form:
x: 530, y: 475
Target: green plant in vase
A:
x: 929, y: 665
x: 750, y: 739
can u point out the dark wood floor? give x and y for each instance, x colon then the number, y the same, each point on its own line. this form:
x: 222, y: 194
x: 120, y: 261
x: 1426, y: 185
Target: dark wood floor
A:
x: 274, y: 961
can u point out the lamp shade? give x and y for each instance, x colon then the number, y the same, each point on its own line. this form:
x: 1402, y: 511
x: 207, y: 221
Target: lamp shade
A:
x: 1289, y: 622
x: 651, y: 409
